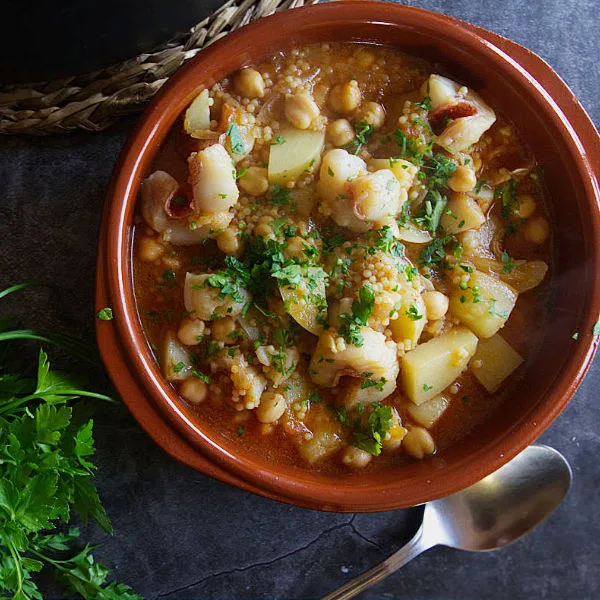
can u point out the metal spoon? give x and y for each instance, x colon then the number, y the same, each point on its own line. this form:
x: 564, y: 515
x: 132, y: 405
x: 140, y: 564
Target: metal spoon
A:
x: 494, y: 512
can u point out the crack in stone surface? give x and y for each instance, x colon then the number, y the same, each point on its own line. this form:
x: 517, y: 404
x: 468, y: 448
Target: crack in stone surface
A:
x: 362, y: 536
x: 274, y: 560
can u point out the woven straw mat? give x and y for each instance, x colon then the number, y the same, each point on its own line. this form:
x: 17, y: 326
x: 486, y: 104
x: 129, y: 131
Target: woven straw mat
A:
x: 96, y: 100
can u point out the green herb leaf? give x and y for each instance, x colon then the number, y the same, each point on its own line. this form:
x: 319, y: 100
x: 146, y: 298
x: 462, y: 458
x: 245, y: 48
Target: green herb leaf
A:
x: 105, y: 314
x: 237, y: 142
x: 509, y: 263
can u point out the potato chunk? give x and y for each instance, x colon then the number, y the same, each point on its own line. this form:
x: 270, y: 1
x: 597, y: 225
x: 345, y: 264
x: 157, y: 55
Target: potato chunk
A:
x: 327, y: 437
x: 305, y: 301
x: 494, y: 361
x: 412, y: 318
x: 462, y: 214
x: 485, y: 305
x: 431, y: 367
x: 197, y: 116
x: 428, y: 413
x: 298, y: 153
x: 175, y: 361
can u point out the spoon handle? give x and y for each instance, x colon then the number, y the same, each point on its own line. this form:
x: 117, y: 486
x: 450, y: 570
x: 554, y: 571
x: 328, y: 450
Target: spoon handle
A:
x: 412, y: 549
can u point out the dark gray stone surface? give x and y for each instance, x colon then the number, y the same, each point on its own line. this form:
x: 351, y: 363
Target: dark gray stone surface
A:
x: 179, y: 534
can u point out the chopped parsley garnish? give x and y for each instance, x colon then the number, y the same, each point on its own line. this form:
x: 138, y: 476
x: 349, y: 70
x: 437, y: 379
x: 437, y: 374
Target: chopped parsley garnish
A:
x: 278, y: 226
x: 105, y: 314
x: 425, y: 104
x: 410, y: 273
x: 369, y: 431
x: 361, y: 311
x: 201, y: 376
x: 363, y: 307
x: 314, y: 397
x: 434, y: 252
x: 432, y: 212
x: 509, y: 264
x: 413, y: 313
x: 438, y: 170
x: 278, y: 141
x: 426, y: 387
x: 481, y: 183
x: 507, y: 193
x: 492, y: 310
x: 411, y: 148
x: 362, y: 132
x: 369, y: 382
x: 168, y: 279
x: 329, y: 245
x: 179, y: 367
x: 237, y: 143
x: 280, y: 196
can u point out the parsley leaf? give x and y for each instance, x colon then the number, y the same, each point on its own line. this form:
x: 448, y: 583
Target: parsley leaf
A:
x: 280, y: 196
x: 509, y: 263
x: 363, y: 131
x: 46, y: 443
x: 237, y: 143
x: 363, y: 307
x: 507, y: 193
x: 369, y: 435
x: 105, y: 314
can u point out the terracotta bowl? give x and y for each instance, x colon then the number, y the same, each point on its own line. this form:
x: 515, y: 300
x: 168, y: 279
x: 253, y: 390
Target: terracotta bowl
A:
x: 563, y: 140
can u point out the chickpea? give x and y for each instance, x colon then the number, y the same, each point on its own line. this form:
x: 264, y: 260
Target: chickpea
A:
x: 229, y: 242
x: 301, y: 110
x: 436, y: 304
x: 249, y: 83
x: 254, y: 181
x: 463, y: 179
x: 340, y: 132
x: 222, y: 329
x: 373, y: 113
x: 527, y: 206
x: 418, y: 442
x: 537, y: 230
x: 272, y: 406
x: 190, y: 330
x: 355, y: 457
x: 150, y: 249
x: 295, y: 248
x: 345, y: 98
x: 264, y: 229
x: 194, y: 390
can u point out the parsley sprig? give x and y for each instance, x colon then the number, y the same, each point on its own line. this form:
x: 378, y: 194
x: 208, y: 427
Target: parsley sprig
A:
x: 362, y: 308
x: 46, y: 441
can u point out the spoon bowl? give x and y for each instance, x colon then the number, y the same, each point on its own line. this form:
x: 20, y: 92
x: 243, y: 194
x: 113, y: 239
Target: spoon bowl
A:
x: 491, y: 514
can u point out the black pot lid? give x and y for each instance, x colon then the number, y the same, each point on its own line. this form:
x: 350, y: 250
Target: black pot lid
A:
x: 42, y: 40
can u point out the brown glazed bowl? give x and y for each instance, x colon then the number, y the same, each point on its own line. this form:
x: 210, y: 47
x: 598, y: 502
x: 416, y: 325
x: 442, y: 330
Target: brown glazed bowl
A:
x: 564, y: 141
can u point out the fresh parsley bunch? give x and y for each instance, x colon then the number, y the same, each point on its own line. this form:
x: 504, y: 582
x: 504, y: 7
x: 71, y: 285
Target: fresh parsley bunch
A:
x: 46, y: 442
